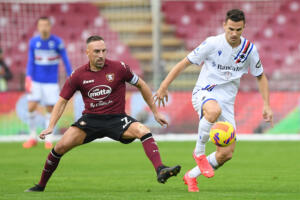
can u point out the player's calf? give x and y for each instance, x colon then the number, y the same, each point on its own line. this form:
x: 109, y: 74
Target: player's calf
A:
x: 224, y: 154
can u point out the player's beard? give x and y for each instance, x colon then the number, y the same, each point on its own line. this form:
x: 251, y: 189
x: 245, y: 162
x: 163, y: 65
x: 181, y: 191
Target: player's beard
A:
x: 235, y: 40
x: 99, y: 65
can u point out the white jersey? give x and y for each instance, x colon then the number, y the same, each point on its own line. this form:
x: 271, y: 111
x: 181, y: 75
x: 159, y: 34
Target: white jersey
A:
x: 224, y: 66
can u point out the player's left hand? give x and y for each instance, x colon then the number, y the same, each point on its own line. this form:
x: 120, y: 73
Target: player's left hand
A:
x: 161, y: 119
x: 268, y: 115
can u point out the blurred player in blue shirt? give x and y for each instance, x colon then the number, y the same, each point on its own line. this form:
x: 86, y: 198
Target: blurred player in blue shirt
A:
x: 41, y: 82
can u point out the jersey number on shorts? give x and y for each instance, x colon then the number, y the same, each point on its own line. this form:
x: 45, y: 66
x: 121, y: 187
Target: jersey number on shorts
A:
x: 125, y: 119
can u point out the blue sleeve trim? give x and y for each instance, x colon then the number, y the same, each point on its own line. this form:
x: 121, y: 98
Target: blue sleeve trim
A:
x: 191, y: 61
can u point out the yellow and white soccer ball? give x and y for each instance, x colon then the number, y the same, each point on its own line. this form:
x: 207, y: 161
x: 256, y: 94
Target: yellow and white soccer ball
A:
x: 222, y: 134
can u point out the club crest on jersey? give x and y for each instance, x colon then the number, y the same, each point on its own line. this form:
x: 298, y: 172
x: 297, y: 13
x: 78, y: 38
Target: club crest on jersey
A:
x: 51, y: 44
x: 110, y: 77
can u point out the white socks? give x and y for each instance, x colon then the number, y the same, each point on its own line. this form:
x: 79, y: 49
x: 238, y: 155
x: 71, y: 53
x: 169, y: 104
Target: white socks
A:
x: 213, y: 160
x: 31, y: 124
x: 195, y: 172
x: 203, y: 136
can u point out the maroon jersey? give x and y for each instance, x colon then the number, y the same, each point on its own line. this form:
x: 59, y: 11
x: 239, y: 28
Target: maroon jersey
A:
x: 103, y: 92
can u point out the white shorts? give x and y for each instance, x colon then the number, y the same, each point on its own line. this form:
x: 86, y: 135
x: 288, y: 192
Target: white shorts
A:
x: 201, y: 96
x: 45, y: 93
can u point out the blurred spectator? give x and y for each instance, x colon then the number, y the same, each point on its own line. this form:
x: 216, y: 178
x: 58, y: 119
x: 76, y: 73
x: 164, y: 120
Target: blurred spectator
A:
x: 41, y: 83
x: 5, y: 73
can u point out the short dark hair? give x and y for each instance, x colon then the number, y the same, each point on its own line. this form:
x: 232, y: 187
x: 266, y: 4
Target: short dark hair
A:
x: 94, y: 38
x: 44, y: 18
x: 235, y: 15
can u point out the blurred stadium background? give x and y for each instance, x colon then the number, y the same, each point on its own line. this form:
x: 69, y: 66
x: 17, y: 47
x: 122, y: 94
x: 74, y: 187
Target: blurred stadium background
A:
x: 151, y: 36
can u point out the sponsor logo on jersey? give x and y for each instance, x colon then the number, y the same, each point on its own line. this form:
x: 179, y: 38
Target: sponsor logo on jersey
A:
x: 87, y: 81
x: 110, y: 77
x: 219, y: 52
x: 231, y: 68
x: 46, y: 57
x: 100, y: 103
x: 99, y: 92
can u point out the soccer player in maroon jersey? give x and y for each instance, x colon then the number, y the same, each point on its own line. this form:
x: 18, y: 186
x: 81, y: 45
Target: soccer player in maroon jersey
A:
x: 102, y: 86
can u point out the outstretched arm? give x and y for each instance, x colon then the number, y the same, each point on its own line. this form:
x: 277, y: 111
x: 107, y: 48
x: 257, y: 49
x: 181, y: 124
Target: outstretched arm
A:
x: 55, y: 116
x: 263, y: 87
x: 162, y: 93
x: 147, y: 95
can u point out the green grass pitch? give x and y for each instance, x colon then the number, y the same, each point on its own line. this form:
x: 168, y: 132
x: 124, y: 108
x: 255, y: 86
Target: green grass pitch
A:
x: 110, y: 170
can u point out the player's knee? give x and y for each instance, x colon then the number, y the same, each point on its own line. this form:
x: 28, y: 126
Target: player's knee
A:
x: 31, y: 108
x: 213, y: 114
x: 141, y: 130
x: 212, y: 110
x: 61, y: 148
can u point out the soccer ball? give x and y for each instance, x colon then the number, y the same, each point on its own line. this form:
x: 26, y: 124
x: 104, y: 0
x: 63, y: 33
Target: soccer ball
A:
x: 222, y: 134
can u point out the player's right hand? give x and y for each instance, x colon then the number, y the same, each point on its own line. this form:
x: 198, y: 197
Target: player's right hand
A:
x: 45, y: 132
x: 161, y: 119
x: 28, y: 84
x: 161, y: 96
x: 268, y: 115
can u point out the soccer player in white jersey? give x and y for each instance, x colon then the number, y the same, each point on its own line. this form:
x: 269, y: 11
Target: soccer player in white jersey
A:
x: 41, y: 83
x: 226, y: 58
